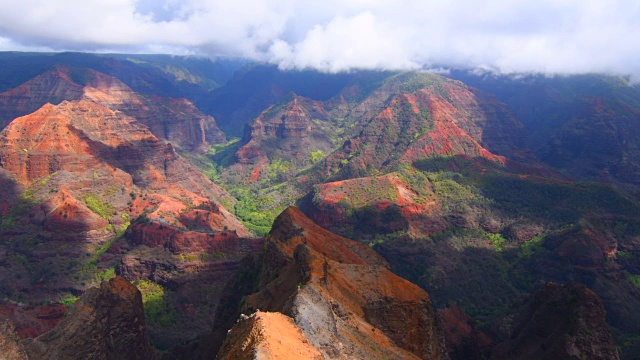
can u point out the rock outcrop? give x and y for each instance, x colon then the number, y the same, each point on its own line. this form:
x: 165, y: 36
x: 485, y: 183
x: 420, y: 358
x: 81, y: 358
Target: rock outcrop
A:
x: 54, y: 87
x: 266, y: 335
x: 32, y: 320
x: 376, y: 205
x: 562, y: 322
x: 175, y: 120
x: 10, y: 347
x: 292, y: 126
x: 342, y: 295
x: 464, y: 341
x: 81, y: 174
x: 105, y: 323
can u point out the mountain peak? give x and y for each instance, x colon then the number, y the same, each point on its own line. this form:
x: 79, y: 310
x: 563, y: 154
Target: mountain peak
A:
x: 267, y: 335
x: 115, y: 308
x: 342, y: 295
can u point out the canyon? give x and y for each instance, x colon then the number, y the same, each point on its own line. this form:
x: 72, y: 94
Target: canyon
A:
x: 475, y: 217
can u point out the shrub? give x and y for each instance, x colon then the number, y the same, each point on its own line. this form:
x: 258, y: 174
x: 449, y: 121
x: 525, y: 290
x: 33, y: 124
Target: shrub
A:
x: 156, y: 309
x: 316, y: 156
x: 97, y: 206
x: 634, y: 279
x: 68, y: 300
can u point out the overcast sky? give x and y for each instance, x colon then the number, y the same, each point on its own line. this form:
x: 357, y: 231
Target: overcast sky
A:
x: 553, y: 36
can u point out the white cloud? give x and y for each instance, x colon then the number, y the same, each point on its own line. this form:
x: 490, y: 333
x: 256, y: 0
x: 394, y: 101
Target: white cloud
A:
x: 559, y: 36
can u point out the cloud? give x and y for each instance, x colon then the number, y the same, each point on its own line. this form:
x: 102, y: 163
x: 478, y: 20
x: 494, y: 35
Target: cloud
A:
x: 559, y: 36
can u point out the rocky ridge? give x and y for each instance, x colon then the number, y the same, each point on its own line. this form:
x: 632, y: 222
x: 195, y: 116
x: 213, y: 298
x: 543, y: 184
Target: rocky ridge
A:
x: 562, y: 322
x: 78, y: 174
x: 105, y: 323
x: 175, y: 120
x: 265, y: 335
x: 342, y: 295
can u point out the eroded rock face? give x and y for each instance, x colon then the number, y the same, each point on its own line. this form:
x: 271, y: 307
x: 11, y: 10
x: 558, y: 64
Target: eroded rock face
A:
x: 54, y: 86
x: 464, y: 341
x: 91, y: 171
x: 412, y: 116
x: 105, y: 323
x: 32, y: 321
x: 376, y: 205
x: 10, y: 347
x: 562, y: 322
x: 266, y: 335
x: 85, y: 138
x: 288, y: 133
x: 175, y: 120
x: 342, y: 295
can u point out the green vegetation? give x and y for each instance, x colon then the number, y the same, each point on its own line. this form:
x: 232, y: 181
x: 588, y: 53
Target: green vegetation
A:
x: 92, y: 263
x: 156, y: 309
x: 19, y: 209
x: 120, y: 232
x: 278, y: 169
x: 29, y: 193
x: 105, y: 275
x: 19, y: 259
x: 634, y: 279
x: 68, y: 300
x: 497, y: 241
x: 104, y: 210
x: 23, y: 204
x: 626, y: 341
x: 316, y: 156
x: 111, y: 190
x: 220, y: 148
x: 275, y: 109
x: 216, y: 255
x: 412, y: 81
x: 531, y: 247
x: 7, y: 222
x: 188, y: 257
x: 534, y: 198
x: 256, y: 211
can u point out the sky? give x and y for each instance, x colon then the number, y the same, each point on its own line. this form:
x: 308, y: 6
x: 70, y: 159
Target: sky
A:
x: 505, y: 36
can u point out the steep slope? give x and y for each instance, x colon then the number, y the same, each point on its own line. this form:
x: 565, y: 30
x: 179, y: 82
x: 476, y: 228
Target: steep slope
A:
x: 376, y: 125
x: 342, y: 296
x: 444, y: 181
x: 79, y: 136
x: 53, y: 86
x: 105, y: 323
x: 79, y: 174
x: 583, y: 125
x: 287, y: 133
x: 416, y: 115
x: 464, y: 341
x: 598, y: 143
x: 163, y: 75
x: 264, y: 335
x: 176, y: 120
x: 466, y: 230
x: 31, y: 321
x: 255, y: 87
x: 562, y: 322
x: 376, y: 206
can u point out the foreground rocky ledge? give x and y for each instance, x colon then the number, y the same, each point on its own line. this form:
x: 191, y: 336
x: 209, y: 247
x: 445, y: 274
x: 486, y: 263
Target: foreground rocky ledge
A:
x: 105, y: 323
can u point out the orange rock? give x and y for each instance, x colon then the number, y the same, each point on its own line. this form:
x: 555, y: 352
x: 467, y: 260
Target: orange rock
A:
x: 267, y: 335
x: 32, y: 321
x: 343, y: 296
